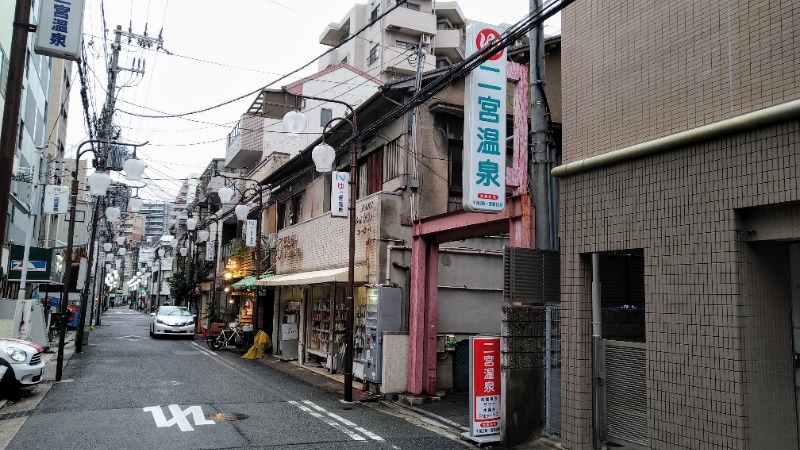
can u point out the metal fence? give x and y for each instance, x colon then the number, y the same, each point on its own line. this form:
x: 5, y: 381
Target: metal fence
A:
x: 552, y: 395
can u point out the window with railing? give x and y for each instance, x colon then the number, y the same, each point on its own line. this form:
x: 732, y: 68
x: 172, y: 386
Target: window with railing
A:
x: 404, y: 45
x: 392, y: 160
x: 409, y: 5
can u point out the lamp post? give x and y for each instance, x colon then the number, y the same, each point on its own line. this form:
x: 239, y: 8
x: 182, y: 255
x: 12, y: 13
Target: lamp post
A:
x: 98, y: 183
x: 324, y: 155
x: 241, y: 210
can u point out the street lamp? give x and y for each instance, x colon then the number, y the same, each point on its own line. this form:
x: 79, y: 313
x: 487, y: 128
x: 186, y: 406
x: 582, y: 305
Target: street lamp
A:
x: 324, y: 157
x: 99, y: 183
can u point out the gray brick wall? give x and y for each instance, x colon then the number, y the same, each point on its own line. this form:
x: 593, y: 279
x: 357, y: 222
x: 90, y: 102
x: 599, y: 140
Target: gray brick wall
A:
x: 637, y: 70
x: 715, y: 339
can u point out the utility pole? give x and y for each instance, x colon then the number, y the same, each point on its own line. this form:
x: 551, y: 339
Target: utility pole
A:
x: 539, y: 171
x: 420, y: 55
x: 8, y: 132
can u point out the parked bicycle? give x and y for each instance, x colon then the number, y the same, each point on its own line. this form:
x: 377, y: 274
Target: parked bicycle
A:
x: 231, y: 339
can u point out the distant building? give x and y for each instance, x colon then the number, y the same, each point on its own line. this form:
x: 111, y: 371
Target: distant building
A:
x: 156, y: 217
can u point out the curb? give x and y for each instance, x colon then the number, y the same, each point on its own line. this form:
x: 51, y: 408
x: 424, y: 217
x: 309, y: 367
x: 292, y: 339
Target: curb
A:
x: 315, y: 379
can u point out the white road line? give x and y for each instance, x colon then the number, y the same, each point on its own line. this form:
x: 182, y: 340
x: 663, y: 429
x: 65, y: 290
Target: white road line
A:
x: 341, y: 419
x: 353, y: 435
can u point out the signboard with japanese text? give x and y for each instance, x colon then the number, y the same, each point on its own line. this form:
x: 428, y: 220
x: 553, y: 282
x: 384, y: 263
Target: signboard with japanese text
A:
x: 484, y: 170
x: 340, y: 198
x: 60, y: 29
x: 250, y: 232
x: 484, y: 386
x: 210, y: 250
x: 56, y: 199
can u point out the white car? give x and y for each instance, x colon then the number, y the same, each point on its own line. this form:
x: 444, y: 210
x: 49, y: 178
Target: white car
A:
x: 20, y: 363
x: 172, y: 321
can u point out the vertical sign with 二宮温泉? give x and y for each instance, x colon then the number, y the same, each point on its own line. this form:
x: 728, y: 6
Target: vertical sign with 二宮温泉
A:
x: 60, y: 29
x: 484, y: 173
x: 484, y: 386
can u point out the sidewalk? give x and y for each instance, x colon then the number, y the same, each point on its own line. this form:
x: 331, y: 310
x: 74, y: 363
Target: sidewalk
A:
x: 317, y: 377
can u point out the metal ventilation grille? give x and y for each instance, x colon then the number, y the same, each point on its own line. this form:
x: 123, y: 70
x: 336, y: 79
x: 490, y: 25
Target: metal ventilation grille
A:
x: 531, y: 276
x: 626, y: 393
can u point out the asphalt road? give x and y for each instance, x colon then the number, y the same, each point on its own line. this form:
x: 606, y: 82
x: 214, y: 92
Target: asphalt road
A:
x: 127, y: 390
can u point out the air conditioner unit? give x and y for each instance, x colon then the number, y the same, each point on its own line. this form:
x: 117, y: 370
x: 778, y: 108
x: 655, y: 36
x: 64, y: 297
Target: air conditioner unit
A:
x: 272, y: 240
x: 426, y: 39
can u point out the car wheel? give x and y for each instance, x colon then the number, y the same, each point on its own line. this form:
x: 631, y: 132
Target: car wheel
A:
x: 8, y: 383
x: 151, y: 331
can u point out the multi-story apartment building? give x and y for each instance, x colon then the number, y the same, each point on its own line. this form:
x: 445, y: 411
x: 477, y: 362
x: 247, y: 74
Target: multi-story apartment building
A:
x: 679, y: 206
x: 386, y: 49
x: 156, y: 220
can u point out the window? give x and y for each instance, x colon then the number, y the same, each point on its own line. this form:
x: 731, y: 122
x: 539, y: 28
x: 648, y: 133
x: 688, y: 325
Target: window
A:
x: 373, y: 55
x: 442, y: 62
x: 281, y: 216
x: 370, y: 174
x: 392, y: 160
x: 326, y: 114
x: 297, y: 209
x: 404, y: 45
x: 409, y: 5
x: 3, y: 72
x: 444, y: 24
x: 456, y: 166
x: 375, y: 13
x: 290, y: 211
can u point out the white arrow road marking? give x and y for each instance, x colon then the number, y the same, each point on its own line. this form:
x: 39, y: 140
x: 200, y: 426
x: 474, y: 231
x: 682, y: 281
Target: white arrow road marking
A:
x: 361, y: 430
x: 179, y: 417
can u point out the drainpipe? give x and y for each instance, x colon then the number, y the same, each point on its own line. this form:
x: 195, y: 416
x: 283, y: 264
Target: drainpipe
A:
x: 597, y: 335
x: 763, y: 117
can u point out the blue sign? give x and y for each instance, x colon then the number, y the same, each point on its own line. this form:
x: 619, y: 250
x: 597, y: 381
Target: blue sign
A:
x: 33, y: 266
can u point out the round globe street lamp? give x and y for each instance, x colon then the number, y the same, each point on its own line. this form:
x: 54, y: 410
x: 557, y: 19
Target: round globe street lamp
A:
x: 113, y: 214
x: 225, y: 194
x: 107, y: 246
x: 202, y: 236
x: 133, y: 168
x: 119, y: 240
x: 323, y: 160
x: 191, y: 223
x: 295, y: 122
x: 135, y: 204
x: 98, y: 185
x: 241, y: 212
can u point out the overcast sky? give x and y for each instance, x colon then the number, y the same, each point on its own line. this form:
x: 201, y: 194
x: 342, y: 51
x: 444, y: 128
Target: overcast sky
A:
x: 220, y: 51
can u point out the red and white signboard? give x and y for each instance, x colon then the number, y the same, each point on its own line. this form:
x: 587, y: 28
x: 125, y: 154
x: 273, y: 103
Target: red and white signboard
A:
x: 484, y: 386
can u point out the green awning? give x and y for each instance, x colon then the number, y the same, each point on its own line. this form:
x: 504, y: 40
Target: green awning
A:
x: 247, y: 283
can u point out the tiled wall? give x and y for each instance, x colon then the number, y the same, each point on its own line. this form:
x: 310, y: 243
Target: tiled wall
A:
x: 637, y: 70
x: 705, y: 297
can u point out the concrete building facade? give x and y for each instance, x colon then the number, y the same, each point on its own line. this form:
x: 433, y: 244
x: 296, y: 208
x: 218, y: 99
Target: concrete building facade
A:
x: 678, y: 208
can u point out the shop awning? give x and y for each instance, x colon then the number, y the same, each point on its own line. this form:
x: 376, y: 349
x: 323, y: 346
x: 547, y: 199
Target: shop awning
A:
x: 315, y: 277
x: 247, y: 282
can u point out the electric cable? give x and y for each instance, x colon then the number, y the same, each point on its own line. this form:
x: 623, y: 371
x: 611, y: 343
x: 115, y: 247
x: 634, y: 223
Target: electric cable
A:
x: 347, y: 39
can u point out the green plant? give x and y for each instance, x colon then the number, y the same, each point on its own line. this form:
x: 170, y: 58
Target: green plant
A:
x: 217, y: 312
x: 185, y: 289
x: 238, y: 249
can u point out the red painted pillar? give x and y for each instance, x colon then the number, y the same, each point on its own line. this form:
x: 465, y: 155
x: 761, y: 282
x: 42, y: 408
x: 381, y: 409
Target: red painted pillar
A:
x: 416, y: 316
x: 431, y: 315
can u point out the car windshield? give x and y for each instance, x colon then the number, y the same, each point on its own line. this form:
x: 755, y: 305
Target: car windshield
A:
x: 174, y: 312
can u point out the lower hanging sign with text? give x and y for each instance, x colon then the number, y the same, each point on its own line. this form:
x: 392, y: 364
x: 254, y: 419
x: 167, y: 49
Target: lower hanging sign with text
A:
x: 340, y: 200
x: 484, y: 385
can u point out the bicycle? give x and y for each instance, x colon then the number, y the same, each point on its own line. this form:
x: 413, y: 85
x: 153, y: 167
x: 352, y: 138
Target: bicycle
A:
x: 230, y: 339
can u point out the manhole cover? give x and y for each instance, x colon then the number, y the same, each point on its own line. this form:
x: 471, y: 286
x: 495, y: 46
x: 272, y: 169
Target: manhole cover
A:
x: 226, y: 417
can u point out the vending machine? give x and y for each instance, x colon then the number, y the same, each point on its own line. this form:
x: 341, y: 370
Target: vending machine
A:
x: 383, y: 312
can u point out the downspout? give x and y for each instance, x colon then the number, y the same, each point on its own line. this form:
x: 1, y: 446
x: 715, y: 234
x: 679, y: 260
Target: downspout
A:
x: 767, y: 116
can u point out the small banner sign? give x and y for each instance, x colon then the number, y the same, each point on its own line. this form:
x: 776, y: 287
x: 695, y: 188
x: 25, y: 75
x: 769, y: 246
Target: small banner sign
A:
x: 340, y: 198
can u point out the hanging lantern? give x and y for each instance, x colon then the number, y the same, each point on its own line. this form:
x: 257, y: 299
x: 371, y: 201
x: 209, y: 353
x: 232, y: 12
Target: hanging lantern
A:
x: 98, y: 183
x: 120, y: 240
x: 112, y: 214
x: 109, y: 256
x: 191, y: 223
x: 133, y: 169
x: 323, y: 156
x: 184, y: 251
x: 225, y: 194
x: 202, y: 235
x: 121, y: 251
x: 241, y: 212
x: 161, y: 253
x: 107, y: 247
x: 135, y: 204
x: 173, y: 243
x: 294, y: 122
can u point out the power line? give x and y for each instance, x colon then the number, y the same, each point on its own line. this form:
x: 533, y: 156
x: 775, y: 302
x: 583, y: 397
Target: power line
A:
x: 346, y: 40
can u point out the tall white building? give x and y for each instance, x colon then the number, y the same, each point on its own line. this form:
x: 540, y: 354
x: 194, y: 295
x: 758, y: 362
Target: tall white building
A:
x: 385, y: 49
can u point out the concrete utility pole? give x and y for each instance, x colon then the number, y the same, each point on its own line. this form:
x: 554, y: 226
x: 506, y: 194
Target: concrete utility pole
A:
x: 539, y: 171
x: 420, y: 54
x: 8, y: 133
